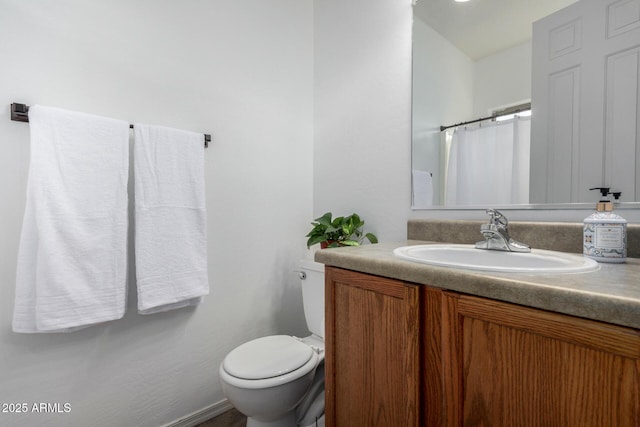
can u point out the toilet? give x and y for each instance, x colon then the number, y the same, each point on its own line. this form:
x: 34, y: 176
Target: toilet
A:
x: 278, y: 380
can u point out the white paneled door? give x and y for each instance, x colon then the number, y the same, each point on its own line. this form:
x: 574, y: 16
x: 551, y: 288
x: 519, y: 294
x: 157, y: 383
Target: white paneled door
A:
x: 585, y: 128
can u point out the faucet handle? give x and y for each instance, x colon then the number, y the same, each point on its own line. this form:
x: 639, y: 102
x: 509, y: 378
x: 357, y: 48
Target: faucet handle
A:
x: 497, y: 218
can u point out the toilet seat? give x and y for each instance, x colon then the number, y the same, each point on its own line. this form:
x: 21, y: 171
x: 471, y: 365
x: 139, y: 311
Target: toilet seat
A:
x: 268, y: 361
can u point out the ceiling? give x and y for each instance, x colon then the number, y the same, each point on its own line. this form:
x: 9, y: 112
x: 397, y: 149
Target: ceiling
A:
x: 483, y: 27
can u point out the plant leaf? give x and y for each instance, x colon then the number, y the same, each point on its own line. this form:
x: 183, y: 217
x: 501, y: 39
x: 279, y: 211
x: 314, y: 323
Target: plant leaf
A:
x: 316, y: 239
x: 324, y: 219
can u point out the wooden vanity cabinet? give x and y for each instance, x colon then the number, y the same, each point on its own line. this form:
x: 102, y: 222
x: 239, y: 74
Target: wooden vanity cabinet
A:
x: 372, y: 359
x: 401, y: 354
x: 509, y: 365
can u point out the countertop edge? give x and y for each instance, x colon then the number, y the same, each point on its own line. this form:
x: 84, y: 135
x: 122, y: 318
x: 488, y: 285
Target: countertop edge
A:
x: 608, y: 295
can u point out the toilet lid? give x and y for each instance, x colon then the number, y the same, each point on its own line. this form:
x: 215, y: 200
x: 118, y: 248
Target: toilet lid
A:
x: 267, y: 357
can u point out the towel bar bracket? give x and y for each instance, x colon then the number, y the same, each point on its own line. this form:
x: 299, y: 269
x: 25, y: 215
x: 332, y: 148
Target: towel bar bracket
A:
x: 20, y: 113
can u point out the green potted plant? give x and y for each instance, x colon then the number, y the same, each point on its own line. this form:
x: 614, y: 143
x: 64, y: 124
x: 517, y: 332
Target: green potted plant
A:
x: 340, y: 231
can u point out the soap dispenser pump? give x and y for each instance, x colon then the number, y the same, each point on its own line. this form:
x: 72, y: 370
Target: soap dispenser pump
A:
x: 605, y: 232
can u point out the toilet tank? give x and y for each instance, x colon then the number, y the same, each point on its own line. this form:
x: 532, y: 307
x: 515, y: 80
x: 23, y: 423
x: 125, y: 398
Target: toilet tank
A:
x: 312, y: 282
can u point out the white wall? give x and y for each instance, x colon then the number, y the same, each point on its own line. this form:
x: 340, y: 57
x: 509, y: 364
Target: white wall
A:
x: 242, y: 71
x: 502, y: 79
x: 442, y: 89
x: 362, y: 115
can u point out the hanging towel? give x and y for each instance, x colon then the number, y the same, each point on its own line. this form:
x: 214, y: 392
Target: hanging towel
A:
x: 422, y: 189
x: 72, y: 260
x: 170, y: 218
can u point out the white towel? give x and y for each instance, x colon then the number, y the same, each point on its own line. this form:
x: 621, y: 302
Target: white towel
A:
x: 72, y: 260
x: 170, y: 218
x: 422, y: 189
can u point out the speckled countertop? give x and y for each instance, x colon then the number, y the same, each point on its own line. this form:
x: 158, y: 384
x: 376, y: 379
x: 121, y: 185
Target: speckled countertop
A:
x: 610, y: 294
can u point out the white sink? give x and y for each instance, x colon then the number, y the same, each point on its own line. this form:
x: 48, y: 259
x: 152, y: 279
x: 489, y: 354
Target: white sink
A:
x: 468, y: 257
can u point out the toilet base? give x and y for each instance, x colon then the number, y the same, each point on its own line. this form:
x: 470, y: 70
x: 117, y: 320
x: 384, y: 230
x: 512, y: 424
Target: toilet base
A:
x: 287, y: 420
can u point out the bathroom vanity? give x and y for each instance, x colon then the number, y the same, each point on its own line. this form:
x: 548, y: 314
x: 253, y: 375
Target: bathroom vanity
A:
x: 409, y: 344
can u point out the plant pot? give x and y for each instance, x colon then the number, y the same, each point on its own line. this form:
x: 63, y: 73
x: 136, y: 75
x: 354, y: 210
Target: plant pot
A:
x: 325, y: 244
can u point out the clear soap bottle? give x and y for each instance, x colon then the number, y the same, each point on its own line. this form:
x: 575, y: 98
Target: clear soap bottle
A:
x: 605, y: 232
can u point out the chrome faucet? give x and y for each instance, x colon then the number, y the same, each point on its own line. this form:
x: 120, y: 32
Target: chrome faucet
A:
x: 496, y: 235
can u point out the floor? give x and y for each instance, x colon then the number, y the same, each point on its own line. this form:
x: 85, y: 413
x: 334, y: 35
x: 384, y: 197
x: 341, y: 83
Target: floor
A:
x: 231, y: 418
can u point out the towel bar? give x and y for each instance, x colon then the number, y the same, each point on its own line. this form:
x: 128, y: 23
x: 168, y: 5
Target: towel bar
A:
x: 20, y: 113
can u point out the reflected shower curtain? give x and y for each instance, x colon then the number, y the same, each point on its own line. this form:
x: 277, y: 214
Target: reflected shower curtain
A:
x: 489, y: 164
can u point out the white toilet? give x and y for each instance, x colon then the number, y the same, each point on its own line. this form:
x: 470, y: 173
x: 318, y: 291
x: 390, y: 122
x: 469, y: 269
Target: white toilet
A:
x: 278, y: 381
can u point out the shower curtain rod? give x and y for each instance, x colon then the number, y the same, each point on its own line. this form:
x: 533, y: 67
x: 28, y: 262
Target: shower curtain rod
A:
x: 511, y: 110
x: 442, y: 128
x: 20, y: 113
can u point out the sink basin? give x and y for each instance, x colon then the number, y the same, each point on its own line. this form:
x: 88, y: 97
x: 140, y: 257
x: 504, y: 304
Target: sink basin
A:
x: 468, y: 257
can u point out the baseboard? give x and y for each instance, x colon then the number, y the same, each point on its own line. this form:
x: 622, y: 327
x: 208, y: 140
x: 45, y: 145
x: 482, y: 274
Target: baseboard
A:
x: 202, y: 415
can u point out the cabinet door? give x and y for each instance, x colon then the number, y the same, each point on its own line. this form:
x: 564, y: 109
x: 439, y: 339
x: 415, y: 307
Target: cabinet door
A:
x: 507, y: 365
x: 372, y: 350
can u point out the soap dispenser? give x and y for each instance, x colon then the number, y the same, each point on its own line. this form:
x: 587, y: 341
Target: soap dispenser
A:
x: 605, y: 232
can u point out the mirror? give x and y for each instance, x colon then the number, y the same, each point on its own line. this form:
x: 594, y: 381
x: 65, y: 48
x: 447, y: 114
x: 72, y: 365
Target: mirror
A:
x: 470, y: 60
